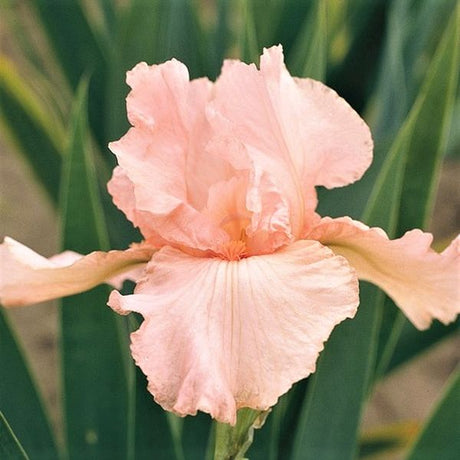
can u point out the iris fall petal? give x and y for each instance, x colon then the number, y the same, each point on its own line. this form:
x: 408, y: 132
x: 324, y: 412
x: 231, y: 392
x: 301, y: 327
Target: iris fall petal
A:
x: 220, y: 335
x: 27, y: 277
x: 423, y: 283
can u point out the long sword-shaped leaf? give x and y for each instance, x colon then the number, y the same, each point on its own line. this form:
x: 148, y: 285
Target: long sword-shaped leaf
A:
x: 220, y: 38
x: 409, y: 39
x: 411, y: 342
x: 279, y: 21
x: 181, y: 35
x: 150, y: 433
x: 309, y: 56
x: 79, y: 49
x: 94, y: 374
x: 274, y: 440
x: 331, y: 412
x: 20, y: 401
x: 24, y: 119
x: 439, y: 438
x: 247, y: 34
x: 428, y: 126
x: 10, y: 448
x: 196, y: 433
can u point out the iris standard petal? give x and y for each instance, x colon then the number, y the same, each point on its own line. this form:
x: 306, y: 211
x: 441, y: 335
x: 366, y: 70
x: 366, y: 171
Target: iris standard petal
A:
x: 221, y: 335
x: 28, y: 278
x: 164, y: 173
x: 423, y: 283
x: 297, y: 130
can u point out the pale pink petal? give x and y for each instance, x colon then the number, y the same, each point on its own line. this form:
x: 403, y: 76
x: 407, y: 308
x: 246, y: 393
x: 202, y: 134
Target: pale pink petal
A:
x: 227, y: 205
x: 64, y: 258
x: 157, y: 90
x: 335, y: 143
x: 298, y: 131
x: 338, y: 143
x: 175, y: 108
x: 164, y: 171
x: 220, y: 335
x: 122, y: 191
x: 251, y: 209
x: 67, y: 258
x: 423, y: 283
x: 270, y: 221
x: 27, y: 278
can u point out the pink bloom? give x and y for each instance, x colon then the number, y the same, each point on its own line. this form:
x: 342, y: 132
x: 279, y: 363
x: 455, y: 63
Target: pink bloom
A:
x: 247, y: 282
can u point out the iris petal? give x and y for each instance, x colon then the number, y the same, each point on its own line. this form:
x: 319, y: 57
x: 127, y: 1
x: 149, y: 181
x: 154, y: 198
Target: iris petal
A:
x: 423, y: 283
x: 220, y: 335
x: 27, y: 278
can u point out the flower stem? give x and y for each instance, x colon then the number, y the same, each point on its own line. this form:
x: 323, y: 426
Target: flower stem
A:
x: 232, y: 442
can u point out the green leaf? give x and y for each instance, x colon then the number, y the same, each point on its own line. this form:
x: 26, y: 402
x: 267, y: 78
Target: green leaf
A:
x: 136, y: 39
x: 149, y: 425
x: 330, y: 415
x: 425, y: 136
x: 270, y: 441
x: 360, y: 35
x: 247, y: 34
x: 309, y: 56
x: 279, y: 21
x: 439, y: 437
x: 412, y: 28
x: 412, y: 342
x: 25, y: 121
x: 220, y: 39
x: 181, y: 35
x: 387, y: 439
x: 20, y: 401
x: 196, y: 432
x: 432, y: 116
x: 93, y: 349
x: 332, y: 409
x: 10, y: 448
x: 72, y: 37
x: 138, y: 33
x: 357, y: 33
x: 152, y: 431
x: 79, y: 50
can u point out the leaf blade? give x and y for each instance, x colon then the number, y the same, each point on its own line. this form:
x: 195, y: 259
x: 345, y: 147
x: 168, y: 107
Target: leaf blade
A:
x: 94, y: 374
x: 426, y: 134
x: 32, y: 427
x: 331, y: 412
x: 10, y: 447
x: 25, y: 121
x: 311, y: 48
x: 439, y: 437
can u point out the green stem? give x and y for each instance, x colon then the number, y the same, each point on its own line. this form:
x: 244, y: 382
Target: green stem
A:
x: 232, y: 442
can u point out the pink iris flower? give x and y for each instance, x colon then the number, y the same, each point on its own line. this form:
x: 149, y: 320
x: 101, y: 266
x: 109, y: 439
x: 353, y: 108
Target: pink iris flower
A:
x: 239, y: 280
